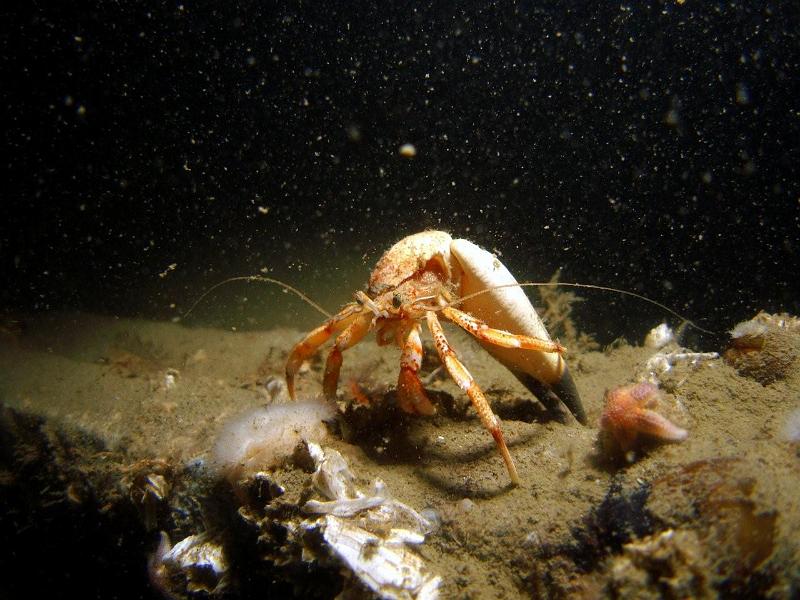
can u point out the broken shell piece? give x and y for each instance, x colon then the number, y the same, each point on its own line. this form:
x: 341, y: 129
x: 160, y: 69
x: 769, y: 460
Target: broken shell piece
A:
x: 662, y: 362
x: 148, y: 490
x: 333, y: 478
x: 369, y: 532
x: 396, y: 515
x: 198, y: 560
x: 659, y: 336
x: 385, y: 567
x: 346, y: 507
x: 156, y: 486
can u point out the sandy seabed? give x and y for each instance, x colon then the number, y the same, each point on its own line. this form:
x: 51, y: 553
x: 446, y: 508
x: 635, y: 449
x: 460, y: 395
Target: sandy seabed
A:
x: 107, y: 425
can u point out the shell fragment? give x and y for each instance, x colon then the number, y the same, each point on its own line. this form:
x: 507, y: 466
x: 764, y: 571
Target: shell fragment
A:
x: 370, y: 534
x: 383, y: 565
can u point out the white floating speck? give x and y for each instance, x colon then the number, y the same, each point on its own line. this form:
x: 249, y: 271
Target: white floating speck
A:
x: 408, y: 151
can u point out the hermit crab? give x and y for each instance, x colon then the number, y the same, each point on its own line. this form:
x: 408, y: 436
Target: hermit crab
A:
x: 430, y: 275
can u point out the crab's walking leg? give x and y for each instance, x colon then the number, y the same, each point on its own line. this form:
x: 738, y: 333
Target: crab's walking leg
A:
x: 498, y: 337
x: 465, y: 381
x: 410, y: 393
x: 304, y: 349
x: 353, y: 333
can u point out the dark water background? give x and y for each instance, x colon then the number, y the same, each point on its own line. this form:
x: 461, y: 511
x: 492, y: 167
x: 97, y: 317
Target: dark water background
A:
x: 651, y: 146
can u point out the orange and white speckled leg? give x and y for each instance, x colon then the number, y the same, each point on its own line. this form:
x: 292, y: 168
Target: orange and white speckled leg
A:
x: 410, y: 393
x: 308, y: 346
x: 498, y: 337
x: 353, y: 333
x: 465, y: 381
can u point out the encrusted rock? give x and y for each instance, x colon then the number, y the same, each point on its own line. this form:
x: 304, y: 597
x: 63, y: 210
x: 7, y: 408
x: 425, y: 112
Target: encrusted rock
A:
x: 764, y: 347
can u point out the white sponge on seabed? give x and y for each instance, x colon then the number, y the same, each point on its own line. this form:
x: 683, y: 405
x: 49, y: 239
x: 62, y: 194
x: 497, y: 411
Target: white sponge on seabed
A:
x: 265, y: 437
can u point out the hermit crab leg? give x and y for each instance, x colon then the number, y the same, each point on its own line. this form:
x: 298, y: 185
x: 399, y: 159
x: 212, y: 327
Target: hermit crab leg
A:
x: 306, y: 348
x: 353, y: 333
x: 410, y: 393
x: 465, y: 381
x: 498, y: 337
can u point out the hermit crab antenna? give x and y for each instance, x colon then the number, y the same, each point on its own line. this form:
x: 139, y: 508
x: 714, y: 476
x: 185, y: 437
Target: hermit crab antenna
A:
x: 260, y: 279
x: 589, y: 286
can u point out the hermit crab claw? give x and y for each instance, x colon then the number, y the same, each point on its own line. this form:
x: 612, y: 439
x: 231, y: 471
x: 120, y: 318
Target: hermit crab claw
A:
x: 545, y: 374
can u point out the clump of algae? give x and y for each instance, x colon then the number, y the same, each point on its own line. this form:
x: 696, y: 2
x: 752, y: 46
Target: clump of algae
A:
x: 557, y: 317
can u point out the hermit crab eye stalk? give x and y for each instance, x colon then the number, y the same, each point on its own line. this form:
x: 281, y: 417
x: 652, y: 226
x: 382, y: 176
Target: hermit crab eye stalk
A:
x: 397, y: 301
x: 420, y: 304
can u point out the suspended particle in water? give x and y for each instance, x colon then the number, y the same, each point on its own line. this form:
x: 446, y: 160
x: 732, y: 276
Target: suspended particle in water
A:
x: 408, y: 151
